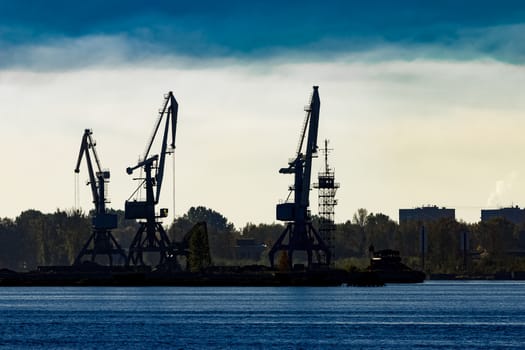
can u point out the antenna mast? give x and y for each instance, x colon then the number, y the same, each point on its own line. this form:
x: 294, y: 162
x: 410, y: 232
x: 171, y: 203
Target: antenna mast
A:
x: 327, y: 189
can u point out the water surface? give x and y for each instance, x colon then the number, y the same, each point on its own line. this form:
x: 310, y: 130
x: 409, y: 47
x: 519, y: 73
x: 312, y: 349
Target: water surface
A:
x: 452, y: 315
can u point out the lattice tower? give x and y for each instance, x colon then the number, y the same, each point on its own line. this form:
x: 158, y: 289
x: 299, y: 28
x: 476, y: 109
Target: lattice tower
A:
x: 327, y: 189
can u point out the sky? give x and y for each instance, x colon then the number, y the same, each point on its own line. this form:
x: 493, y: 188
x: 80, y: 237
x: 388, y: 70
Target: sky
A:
x: 422, y: 102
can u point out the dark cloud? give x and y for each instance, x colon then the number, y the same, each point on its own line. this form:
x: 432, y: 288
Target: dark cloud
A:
x: 248, y: 30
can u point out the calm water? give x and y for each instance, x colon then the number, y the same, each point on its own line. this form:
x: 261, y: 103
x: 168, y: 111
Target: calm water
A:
x: 461, y: 315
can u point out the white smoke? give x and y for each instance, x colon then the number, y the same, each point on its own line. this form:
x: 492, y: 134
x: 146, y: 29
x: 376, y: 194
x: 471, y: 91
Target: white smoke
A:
x: 502, y: 194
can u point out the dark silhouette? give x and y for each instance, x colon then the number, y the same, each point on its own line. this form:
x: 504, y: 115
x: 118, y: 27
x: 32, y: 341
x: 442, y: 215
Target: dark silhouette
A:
x: 300, y: 234
x: 151, y: 236
x: 101, y: 241
x: 492, y: 248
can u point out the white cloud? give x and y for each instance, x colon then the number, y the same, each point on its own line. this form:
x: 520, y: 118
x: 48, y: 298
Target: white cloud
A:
x: 404, y: 133
x: 502, y: 193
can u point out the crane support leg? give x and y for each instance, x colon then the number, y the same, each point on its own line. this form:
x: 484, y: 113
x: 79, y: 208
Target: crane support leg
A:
x: 153, y: 240
x: 307, y: 240
x: 279, y: 246
x: 101, y: 243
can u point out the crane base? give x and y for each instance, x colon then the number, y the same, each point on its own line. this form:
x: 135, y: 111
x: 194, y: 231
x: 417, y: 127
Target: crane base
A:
x: 306, y: 239
x: 101, y: 243
x: 154, y: 241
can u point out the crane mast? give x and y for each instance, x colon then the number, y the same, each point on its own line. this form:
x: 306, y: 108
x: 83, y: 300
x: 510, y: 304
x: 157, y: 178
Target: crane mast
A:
x: 101, y: 241
x: 151, y: 236
x: 300, y: 234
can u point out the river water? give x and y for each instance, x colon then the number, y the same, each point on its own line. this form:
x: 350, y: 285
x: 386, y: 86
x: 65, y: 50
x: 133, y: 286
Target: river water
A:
x: 447, y: 315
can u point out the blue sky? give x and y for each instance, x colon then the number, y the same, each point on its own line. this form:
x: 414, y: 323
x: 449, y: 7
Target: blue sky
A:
x: 240, y: 29
x: 423, y: 101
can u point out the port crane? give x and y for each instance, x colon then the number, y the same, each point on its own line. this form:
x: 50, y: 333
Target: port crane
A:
x: 101, y: 241
x: 151, y: 236
x: 299, y: 234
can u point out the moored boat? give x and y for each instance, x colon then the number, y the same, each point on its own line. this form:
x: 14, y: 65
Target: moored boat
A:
x: 387, y: 265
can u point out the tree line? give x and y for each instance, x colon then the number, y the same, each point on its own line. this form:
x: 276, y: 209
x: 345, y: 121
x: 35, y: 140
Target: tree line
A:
x: 35, y: 239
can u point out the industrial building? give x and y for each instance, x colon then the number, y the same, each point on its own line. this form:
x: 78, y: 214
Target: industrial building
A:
x: 428, y: 213
x: 512, y: 214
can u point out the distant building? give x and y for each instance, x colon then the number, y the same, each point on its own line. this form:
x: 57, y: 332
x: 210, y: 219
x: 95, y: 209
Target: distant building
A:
x: 249, y: 249
x: 512, y: 214
x: 430, y: 213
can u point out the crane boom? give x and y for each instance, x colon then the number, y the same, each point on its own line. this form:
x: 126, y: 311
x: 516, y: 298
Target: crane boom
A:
x: 96, y: 178
x: 87, y: 143
x: 311, y: 145
x: 171, y: 115
x: 170, y: 104
x: 169, y: 111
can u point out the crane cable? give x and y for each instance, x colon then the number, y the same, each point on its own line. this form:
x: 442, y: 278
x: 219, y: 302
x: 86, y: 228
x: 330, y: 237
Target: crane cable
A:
x: 173, y: 182
x: 139, y: 189
x: 77, y: 192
